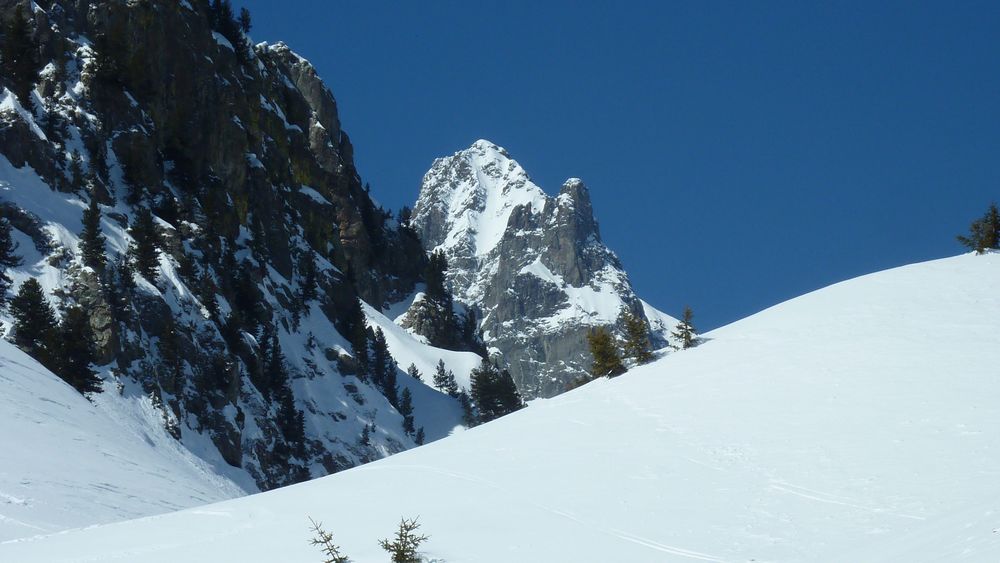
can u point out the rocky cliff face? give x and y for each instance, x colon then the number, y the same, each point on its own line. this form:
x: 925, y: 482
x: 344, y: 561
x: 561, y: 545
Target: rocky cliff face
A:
x: 533, y: 266
x: 266, y: 233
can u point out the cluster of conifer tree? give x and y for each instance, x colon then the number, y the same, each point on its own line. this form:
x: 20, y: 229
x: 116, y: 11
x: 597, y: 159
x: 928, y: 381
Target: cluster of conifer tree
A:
x: 64, y: 346
x: 609, y: 356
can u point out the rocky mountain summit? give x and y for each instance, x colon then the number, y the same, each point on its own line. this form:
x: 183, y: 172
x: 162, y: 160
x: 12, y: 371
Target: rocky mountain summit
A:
x: 533, y: 266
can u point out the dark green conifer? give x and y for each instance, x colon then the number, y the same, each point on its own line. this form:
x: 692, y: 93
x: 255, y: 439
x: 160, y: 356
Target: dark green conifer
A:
x: 74, y: 352
x: 34, y: 322
x: 245, y: 23
x: 144, y: 249
x: 76, y: 172
x: 494, y: 392
x: 17, y: 54
x: 308, y: 277
x: 92, y: 242
x: 444, y: 380
x: 8, y: 259
x: 170, y: 355
x: 606, y: 361
x: 685, y: 331
x: 434, y: 276
x: 637, y: 346
x: 413, y: 372
x: 420, y: 436
x: 984, y: 233
x: 383, y: 367
x: 406, y: 409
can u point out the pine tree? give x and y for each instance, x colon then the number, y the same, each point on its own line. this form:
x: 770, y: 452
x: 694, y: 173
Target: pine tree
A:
x: 468, y: 412
x: 143, y: 250
x: 637, y: 346
x: 403, y: 548
x: 357, y: 332
x: 685, y: 331
x: 383, y: 368
x: 324, y: 539
x: 604, y: 352
x: 170, y: 354
x: 273, y: 363
x: 74, y: 352
x: 207, y: 291
x: 413, y: 372
x: 365, y: 439
x: 17, y: 53
x: 76, y: 170
x: 434, y: 276
x: 420, y: 436
x: 406, y: 409
x: 494, y: 392
x: 444, y: 380
x: 307, y: 271
x: 8, y: 259
x: 34, y: 322
x: 984, y: 233
x: 92, y: 242
x: 245, y: 23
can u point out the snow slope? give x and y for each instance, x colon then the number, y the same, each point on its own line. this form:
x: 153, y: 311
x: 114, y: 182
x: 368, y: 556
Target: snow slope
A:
x: 68, y: 463
x: 858, y: 423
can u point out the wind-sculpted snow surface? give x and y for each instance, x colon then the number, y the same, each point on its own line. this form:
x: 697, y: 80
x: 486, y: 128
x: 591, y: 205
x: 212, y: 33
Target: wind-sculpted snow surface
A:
x: 857, y: 423
x: 533, y: 266
x: 67, y: 463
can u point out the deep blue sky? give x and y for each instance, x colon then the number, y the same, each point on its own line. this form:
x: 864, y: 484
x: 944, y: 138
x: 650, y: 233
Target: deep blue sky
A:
x: 738, y: 153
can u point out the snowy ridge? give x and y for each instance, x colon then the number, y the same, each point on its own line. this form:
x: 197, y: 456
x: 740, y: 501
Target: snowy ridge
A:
x: 855, y: 423
x: 69, y: 463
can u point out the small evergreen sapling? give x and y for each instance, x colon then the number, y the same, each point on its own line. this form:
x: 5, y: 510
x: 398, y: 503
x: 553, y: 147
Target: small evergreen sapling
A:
x: 403, y: 548
x: 324, y: 541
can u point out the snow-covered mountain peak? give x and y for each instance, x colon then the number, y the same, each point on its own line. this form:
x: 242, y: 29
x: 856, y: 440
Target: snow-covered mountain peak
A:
x: 467, y: 199
x: 533, y: 266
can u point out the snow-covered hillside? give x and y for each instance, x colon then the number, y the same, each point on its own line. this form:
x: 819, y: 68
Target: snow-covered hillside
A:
x: 67, y: 463
x: 532, y: 266
x: 857, y: 423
